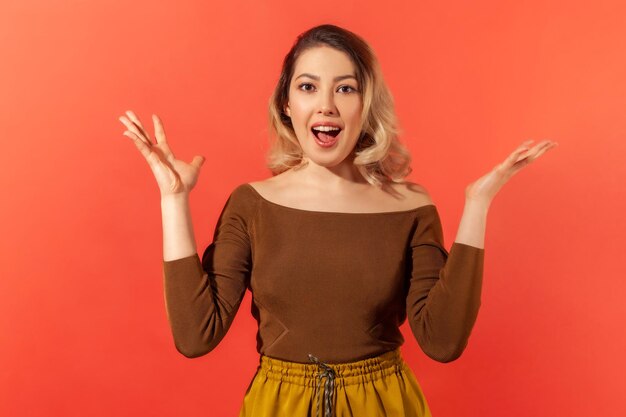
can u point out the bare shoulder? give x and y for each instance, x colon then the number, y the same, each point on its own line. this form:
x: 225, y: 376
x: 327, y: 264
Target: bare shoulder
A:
x: 262, y: 186
x: 411, y: 194
x: 269, y: 187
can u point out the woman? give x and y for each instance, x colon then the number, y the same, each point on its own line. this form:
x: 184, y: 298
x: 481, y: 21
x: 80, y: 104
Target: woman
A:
x: 336, y: 248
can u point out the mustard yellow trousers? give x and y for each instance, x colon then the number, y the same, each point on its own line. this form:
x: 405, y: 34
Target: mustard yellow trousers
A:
x: 382, y: 386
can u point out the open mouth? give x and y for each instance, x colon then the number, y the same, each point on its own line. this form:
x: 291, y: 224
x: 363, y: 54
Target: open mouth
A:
x: 326, y: 135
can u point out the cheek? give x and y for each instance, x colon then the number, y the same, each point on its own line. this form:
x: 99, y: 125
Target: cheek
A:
x: 301, y: 117
x: 351, y: 109
x: 298, y: 118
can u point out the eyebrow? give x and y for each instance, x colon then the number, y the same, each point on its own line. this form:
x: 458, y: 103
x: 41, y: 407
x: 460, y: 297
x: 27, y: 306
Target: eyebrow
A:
x: 315, y: 77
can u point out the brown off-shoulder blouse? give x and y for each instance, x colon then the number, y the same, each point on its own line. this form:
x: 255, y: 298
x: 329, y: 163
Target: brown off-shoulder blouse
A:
x: 336, y: 285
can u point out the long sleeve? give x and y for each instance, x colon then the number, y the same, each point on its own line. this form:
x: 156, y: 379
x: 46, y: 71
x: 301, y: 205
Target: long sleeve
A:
x: 202, y: 297
x: 444, y: 290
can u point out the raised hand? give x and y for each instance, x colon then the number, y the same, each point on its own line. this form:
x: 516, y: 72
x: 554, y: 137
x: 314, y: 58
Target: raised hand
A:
x: 485, y: 188
x: 173, y: 175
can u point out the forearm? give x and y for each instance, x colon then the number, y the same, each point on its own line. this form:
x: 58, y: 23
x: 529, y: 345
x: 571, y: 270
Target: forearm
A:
x: 442, y: 315
x: 178, y: 237
x: 473, y: 223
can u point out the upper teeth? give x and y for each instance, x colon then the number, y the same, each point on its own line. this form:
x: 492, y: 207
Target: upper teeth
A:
x: 325, y: 128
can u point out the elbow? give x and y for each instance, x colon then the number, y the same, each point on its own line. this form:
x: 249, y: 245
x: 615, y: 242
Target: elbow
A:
x: 194, y: 347
x: 445, y: 355
x: 444, y: 352
x: 191, y: 353
x: 197, y: 340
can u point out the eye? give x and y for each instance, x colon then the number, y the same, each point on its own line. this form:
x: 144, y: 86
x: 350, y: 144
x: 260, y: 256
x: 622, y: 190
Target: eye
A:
x: 351, y: 89
x: 305, y: 85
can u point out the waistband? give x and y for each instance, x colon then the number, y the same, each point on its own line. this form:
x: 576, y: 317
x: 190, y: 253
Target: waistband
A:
x: 340, y: 374
x: 347, y: 373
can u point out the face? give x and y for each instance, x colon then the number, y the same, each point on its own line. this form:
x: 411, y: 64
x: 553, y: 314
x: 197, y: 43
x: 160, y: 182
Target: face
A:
x: 324, y: 91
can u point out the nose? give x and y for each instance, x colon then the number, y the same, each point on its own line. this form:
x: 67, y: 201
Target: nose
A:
x: 327, y: 104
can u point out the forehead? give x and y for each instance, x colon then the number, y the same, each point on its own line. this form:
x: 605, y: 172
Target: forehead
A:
x: 323, y: 61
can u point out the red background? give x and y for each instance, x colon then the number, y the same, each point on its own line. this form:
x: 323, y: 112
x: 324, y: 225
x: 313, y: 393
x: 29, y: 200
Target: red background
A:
x: 82, y: 319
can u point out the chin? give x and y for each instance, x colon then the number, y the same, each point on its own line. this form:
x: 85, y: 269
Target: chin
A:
x: 327, y: 161
x: 327, y: 158
x: 325, y: 164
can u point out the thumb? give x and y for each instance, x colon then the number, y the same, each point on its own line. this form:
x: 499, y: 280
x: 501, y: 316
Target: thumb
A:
x: 198, y: 161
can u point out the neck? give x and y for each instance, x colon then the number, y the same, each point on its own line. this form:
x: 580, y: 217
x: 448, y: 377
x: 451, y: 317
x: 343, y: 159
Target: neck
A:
x: 330, y: 178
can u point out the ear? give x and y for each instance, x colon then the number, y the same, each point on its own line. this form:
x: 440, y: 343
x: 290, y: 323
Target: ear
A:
x: 287, y: 110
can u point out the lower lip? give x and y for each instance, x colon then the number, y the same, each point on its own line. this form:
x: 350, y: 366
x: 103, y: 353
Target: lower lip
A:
x: 327, y: 144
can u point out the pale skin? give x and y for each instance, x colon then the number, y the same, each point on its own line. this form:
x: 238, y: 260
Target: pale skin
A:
x: 329, y: 182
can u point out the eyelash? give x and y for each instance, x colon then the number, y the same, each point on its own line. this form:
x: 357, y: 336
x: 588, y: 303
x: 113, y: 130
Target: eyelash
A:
x: 306, y: 91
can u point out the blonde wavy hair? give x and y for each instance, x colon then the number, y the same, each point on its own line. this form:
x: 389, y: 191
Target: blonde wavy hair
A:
x: 379, y: 156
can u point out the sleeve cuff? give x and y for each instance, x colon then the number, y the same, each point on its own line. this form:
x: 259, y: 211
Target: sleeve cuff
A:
x: 184, y: 266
